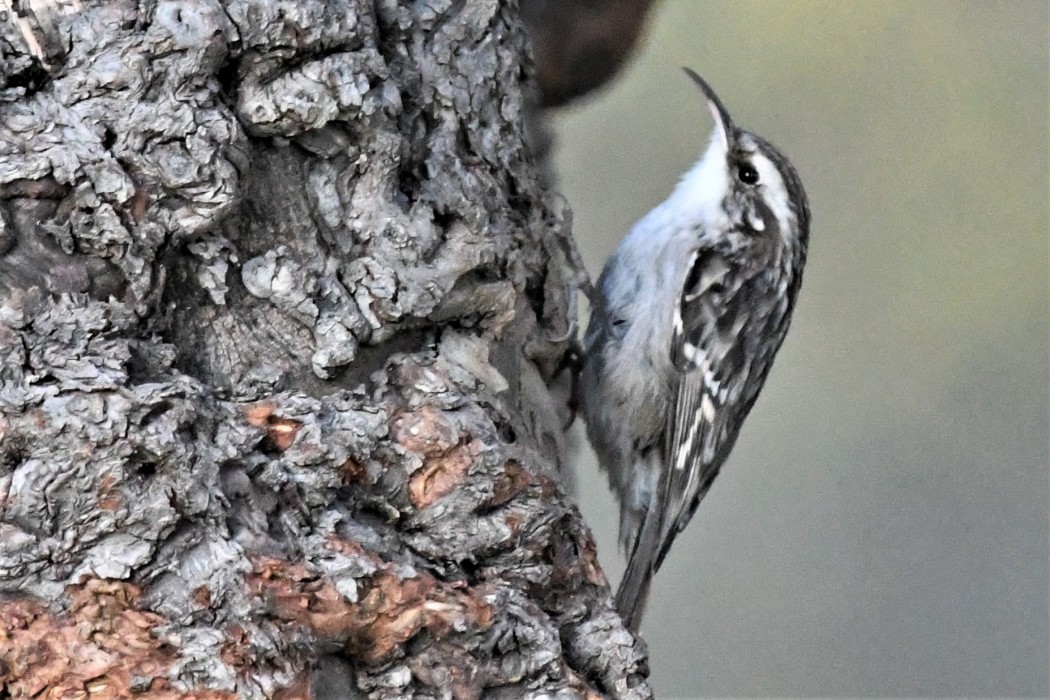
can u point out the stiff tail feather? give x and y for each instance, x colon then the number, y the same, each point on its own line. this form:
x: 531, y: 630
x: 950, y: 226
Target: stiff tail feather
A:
x: 633, y: 593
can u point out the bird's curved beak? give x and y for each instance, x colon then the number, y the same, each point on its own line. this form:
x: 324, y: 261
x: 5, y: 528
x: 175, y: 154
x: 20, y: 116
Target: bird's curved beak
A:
x: 723, y: 122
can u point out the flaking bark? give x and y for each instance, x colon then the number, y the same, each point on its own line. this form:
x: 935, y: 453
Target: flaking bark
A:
x: 283, y: 298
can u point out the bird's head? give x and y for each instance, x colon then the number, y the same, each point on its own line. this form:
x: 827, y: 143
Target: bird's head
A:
x: 743, y: 181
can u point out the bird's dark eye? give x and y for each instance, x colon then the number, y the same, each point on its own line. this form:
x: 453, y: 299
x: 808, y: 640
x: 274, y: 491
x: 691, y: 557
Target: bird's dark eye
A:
x: 747, y: 174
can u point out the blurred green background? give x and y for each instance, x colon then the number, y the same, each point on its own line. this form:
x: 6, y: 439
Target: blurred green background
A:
x: 882, y: 526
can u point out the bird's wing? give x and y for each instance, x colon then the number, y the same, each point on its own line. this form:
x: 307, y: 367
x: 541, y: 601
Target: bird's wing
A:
x: 705, y: 351
x: 697, y: 429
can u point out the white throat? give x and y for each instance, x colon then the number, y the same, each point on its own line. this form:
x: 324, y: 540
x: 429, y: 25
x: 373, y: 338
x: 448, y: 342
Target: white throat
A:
x: 701, y: 191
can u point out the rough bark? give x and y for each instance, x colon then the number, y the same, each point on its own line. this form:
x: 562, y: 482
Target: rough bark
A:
x: 282, y: 304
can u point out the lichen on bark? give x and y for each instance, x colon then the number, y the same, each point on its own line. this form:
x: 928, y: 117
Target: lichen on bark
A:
x: 282, y: 303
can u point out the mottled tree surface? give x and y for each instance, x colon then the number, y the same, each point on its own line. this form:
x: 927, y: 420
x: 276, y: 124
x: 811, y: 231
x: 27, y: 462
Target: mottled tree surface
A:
x: 283, y: 302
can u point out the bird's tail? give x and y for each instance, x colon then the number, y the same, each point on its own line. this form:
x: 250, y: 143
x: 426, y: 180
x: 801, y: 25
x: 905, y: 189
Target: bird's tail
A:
x: 633, y: 593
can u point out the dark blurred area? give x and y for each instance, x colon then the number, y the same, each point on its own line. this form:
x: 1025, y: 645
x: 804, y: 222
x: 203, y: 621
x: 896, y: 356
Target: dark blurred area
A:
x: 580, y: 45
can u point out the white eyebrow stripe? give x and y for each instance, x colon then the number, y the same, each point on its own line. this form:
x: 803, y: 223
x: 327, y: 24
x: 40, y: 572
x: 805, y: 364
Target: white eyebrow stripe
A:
x: 775, y: 190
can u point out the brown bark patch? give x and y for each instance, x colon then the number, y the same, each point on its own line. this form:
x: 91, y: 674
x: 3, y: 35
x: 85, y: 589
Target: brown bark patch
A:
x: 202, y: 596
x: 236, y: 649
x: 588, y: 558
x: 280, y: 431
x: 513, y: 481
x: 299, y: 690
x: 427, y: 431
x: 447, y: 453
x: 353, y: 472
x: 95, y: 650
x: 390, y: 610
x: 109, y: 497
x: 441, y: 474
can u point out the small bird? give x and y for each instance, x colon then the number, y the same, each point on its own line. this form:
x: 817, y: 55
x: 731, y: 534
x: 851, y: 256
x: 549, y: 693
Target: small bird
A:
x: 690, y: 311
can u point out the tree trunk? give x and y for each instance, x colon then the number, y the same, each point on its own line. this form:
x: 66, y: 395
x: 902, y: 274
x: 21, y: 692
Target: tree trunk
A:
x: 283, y: 298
